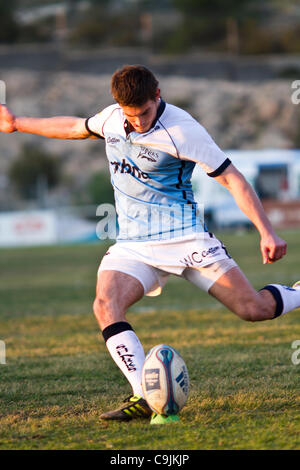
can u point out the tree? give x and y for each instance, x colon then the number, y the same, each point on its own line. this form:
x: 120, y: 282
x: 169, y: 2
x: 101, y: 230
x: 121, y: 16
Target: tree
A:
x: 34, y: 171
x: 217, y: 17
x: 8, y: 24
x: 99, y: 188
x: 102, y: 24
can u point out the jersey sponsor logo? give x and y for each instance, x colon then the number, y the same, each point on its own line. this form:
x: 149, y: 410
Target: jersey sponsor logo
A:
x: 112, y: 140
x: 126, y: 167
x: 148, y: 154
x: 197, y: 257
x: 126, y: 358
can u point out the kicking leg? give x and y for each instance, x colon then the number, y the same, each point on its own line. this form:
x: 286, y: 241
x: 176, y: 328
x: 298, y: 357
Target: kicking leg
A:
x: 234, y: 291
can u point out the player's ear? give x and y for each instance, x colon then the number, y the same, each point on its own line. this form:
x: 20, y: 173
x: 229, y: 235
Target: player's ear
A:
x: 157, y: 93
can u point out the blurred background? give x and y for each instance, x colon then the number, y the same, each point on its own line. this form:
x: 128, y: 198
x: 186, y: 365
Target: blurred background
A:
x: 234, y: 65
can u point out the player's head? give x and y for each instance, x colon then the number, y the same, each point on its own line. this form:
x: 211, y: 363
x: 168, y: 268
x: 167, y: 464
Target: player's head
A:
x: 133, y: 85
x: 136, y: 90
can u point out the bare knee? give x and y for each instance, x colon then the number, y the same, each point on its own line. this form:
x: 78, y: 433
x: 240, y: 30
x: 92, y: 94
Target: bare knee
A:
x: 248, y: 312
x: 99, y: 307
x: 116, y: 292
x: 106, y: 311
x: 253, y: 311
x: 235, y: 292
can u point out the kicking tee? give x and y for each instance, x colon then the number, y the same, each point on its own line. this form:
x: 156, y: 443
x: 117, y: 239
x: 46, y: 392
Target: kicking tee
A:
x: 151, y: 172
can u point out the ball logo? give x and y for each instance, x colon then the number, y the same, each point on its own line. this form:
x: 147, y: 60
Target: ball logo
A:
x: 182, y: 380
x: 152, y: 381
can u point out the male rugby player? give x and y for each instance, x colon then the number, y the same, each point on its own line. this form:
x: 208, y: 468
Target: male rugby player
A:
x: 152, y: 149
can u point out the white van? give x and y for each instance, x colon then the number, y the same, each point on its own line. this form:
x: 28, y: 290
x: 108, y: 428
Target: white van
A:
x: 274, y: 174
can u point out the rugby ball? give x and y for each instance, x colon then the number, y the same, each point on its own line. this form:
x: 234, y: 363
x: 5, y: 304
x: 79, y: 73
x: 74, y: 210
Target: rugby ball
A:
x: 165, y: 380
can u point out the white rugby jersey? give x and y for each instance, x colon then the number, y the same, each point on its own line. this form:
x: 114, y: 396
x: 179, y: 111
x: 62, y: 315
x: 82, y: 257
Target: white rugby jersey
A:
x: 151, y: 172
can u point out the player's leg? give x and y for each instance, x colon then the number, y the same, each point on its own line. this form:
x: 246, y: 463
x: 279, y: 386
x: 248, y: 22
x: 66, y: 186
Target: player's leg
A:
x: 115, y: 293
x: 234, y: 291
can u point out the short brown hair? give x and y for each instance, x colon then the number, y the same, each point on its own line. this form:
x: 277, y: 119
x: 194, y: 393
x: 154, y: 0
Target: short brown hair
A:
x: 133, y: 85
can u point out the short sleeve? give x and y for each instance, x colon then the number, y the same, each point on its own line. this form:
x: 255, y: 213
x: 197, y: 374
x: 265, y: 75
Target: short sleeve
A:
x: 95, y: 124
x: 197, y: 145
x: 193, y: 142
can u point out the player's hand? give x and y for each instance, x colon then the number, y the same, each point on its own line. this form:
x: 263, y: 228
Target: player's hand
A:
x: 272, y: 248
x: 7, y: 120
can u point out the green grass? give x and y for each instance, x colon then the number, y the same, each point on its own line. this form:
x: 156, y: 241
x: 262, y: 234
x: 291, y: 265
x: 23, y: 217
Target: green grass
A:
x: 59, y: 377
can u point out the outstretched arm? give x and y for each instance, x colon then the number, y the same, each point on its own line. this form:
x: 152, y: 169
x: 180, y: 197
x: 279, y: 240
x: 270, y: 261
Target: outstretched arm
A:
x: 272, y: 247
x: 59, y: 127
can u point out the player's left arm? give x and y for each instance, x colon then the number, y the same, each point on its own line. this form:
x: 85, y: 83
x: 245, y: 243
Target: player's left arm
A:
x: 272, y: 246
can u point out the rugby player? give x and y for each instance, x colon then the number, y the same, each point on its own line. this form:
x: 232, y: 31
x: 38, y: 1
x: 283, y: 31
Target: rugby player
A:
x: 152, y: 149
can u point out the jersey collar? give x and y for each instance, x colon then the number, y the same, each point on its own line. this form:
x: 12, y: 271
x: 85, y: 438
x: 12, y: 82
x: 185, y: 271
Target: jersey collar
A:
x: 162, y: 105
x: 160, y: 110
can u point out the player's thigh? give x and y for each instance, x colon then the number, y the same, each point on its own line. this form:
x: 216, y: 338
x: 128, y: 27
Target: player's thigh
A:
x: 234, y: 291
x: 117, y: 291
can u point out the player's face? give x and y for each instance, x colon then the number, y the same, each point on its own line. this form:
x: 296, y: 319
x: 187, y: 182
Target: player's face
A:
x: 141, y: 117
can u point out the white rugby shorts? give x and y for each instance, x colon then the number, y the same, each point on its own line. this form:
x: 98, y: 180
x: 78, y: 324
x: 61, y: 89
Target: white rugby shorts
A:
x: 200, y: 259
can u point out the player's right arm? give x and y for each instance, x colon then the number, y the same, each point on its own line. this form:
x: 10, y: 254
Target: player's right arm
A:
x: 59, y: 127
x: 272, y: 246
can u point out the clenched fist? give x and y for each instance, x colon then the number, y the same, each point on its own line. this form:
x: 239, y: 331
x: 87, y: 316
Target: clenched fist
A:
x: 7, y: 120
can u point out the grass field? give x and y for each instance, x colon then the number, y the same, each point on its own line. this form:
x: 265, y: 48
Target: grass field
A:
x: 58, y: 376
